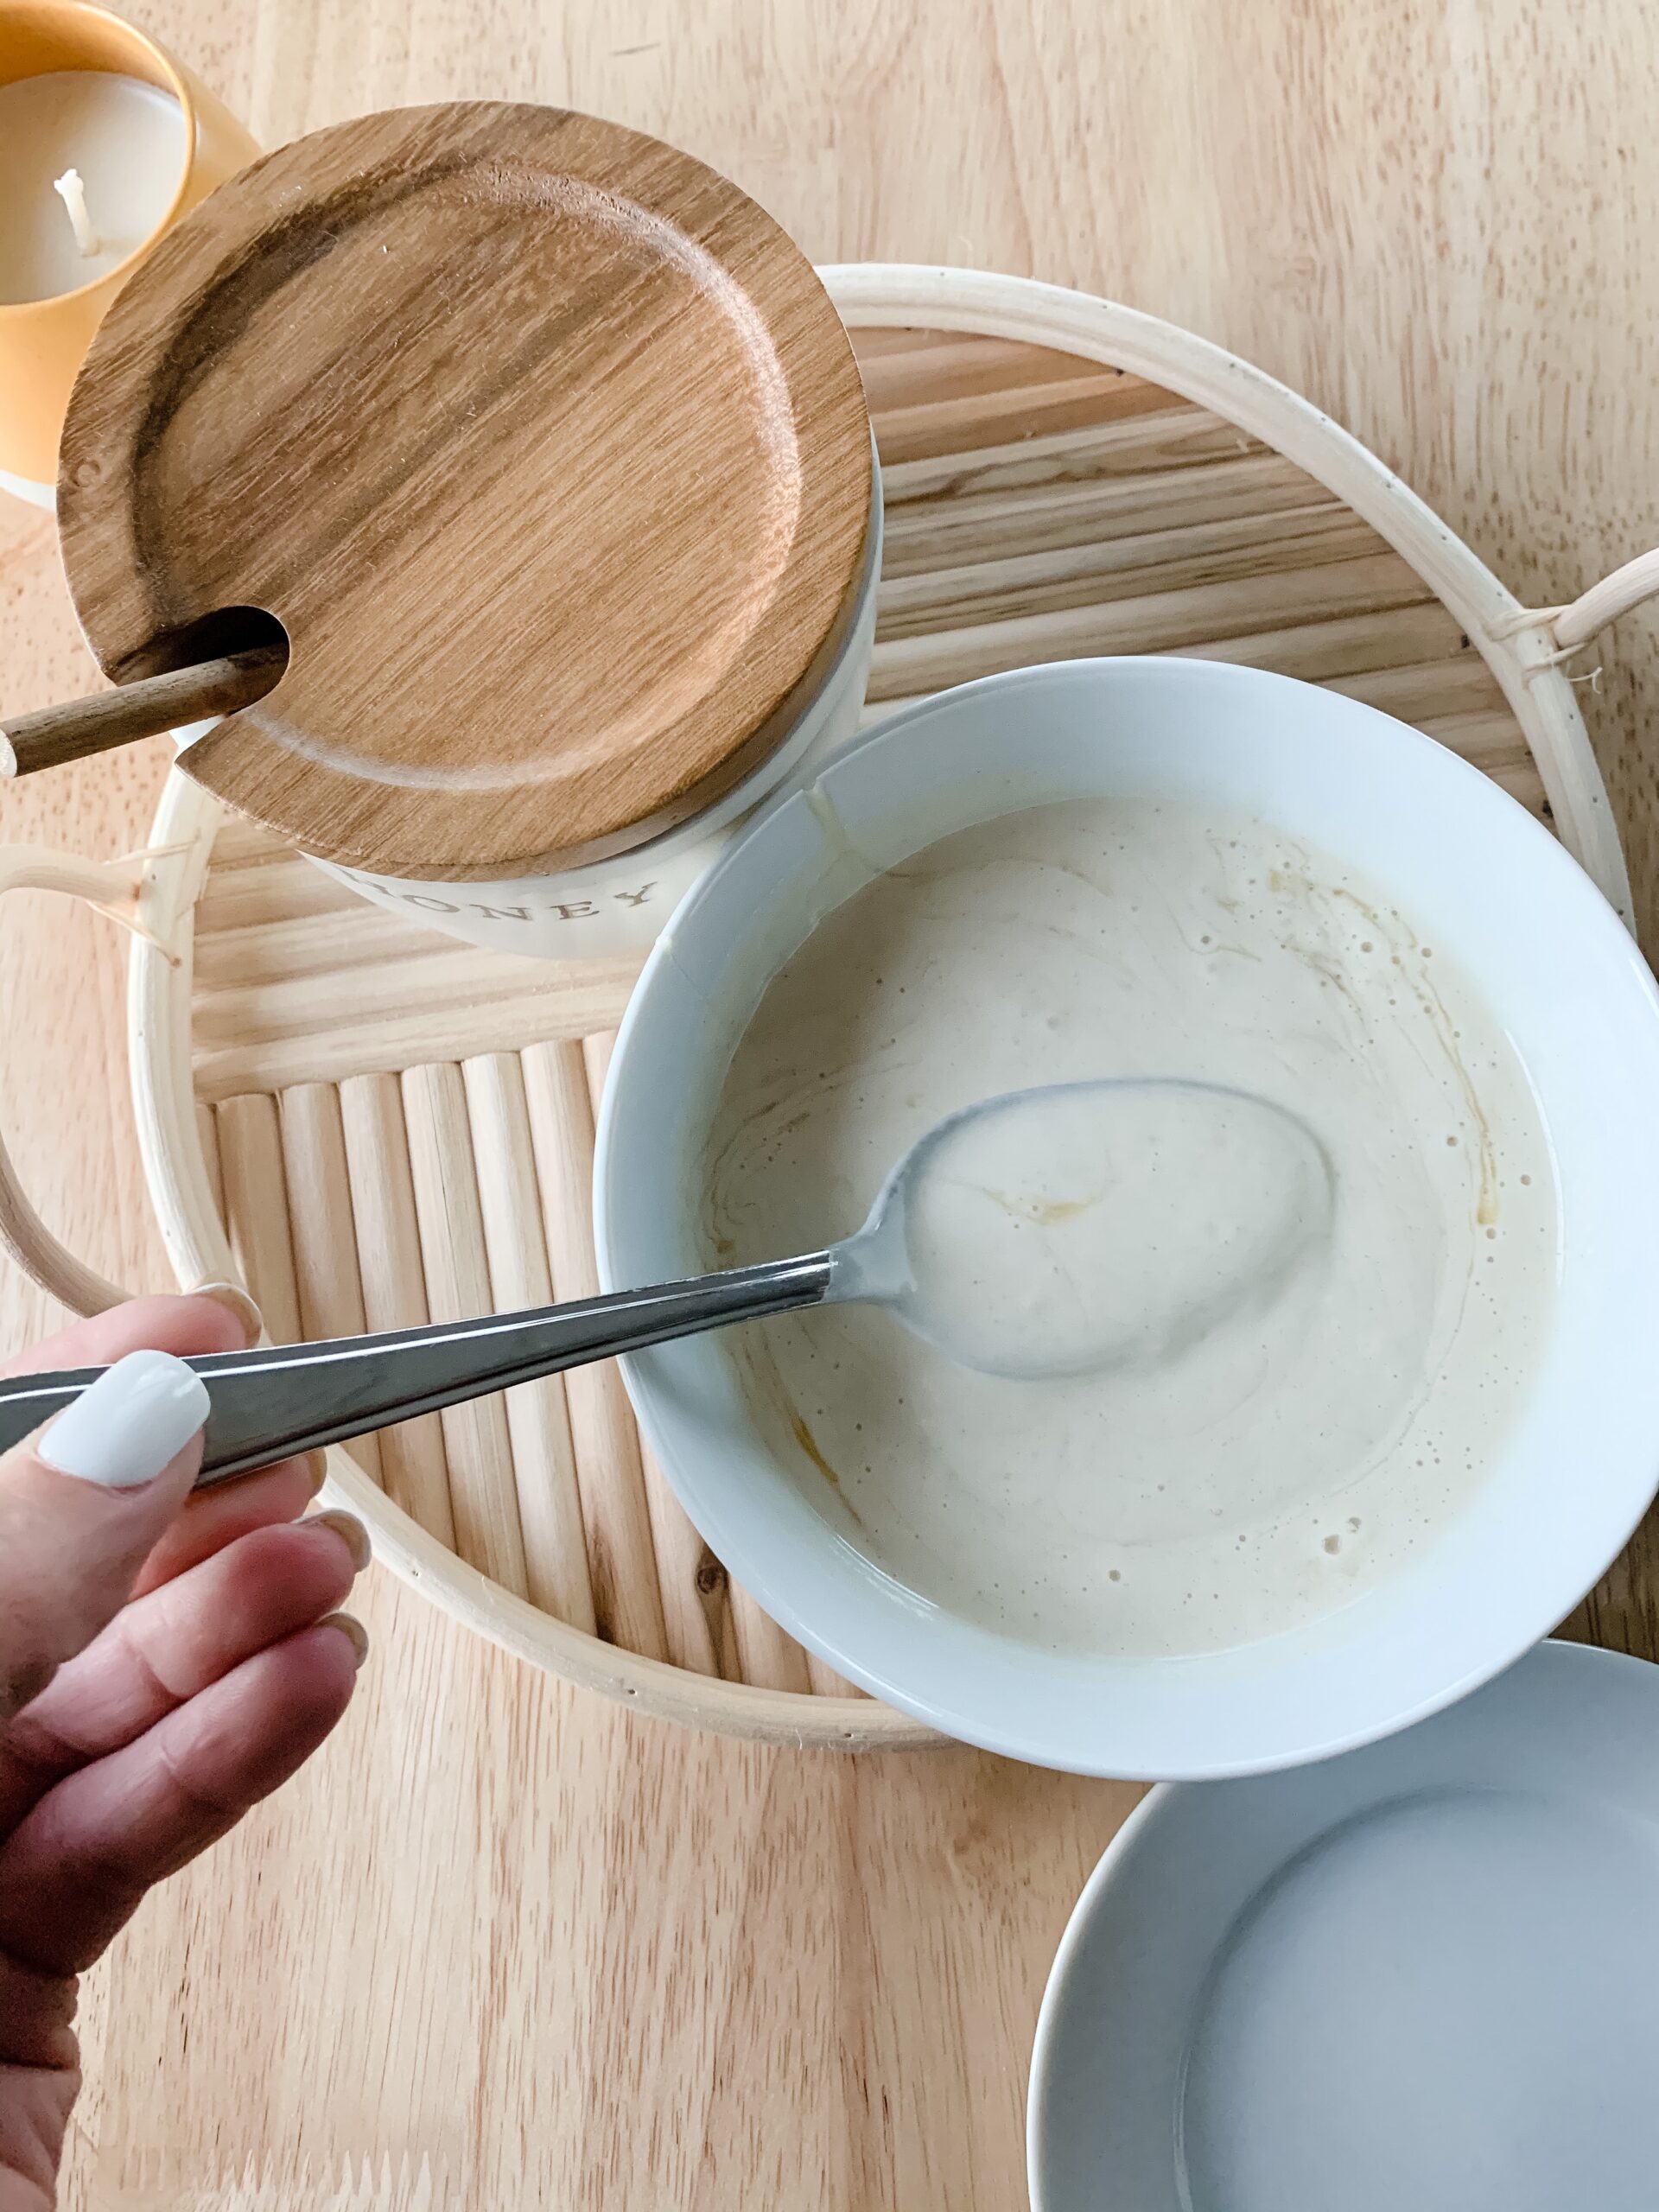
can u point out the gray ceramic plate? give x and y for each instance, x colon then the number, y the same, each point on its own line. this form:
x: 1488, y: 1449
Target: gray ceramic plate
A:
x: 1425, y: 1974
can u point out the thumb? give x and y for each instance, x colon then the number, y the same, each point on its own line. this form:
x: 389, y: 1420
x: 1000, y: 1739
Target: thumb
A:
x: 82, y: 1505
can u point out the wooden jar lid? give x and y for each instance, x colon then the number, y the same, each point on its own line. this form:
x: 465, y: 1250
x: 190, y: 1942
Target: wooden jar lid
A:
x: 543, y: 441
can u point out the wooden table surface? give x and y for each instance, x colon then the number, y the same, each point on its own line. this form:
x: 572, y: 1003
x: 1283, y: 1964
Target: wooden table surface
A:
x: 501, y: 1945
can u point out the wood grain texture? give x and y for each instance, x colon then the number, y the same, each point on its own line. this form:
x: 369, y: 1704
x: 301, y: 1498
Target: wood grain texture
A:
x: 208, y: 1137
x: 621, y: 1561
x: 539, y: 1419
x: 326, y: 1274
x: 501, y: 1944
x: 254, y: 1180
x: 414, y: 1467
x: 483, y: 1495
x: 588, y: 485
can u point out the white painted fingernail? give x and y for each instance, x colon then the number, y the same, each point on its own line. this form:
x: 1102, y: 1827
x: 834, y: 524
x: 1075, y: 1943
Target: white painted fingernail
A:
x: 124, y: 1428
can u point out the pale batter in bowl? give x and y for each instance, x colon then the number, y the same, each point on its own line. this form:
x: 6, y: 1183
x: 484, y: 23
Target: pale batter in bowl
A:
x: 1228, y: 1487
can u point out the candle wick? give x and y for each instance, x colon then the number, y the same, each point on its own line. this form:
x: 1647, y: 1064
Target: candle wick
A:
x: 72, y: 193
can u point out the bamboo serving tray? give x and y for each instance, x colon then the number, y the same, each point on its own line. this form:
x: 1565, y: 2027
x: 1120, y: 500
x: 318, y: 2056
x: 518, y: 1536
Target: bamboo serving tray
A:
x: 374, y: 1125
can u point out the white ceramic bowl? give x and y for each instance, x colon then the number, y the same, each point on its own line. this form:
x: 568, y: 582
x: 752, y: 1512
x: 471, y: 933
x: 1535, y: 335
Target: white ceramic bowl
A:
x: 1464, y: 861
x: 1398, y: 1982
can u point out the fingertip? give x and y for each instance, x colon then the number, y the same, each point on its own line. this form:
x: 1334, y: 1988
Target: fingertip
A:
x: 231, y: 1299
x: 317, y: 1670
x: 274, y: 1579
x: 317, y: 1667
x: 349, y: 1529
x: 355, y: 1635
x: 288, y: 1699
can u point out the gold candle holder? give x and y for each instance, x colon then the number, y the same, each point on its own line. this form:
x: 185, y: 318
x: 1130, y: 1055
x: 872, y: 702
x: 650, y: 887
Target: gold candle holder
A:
x: 43, y: 341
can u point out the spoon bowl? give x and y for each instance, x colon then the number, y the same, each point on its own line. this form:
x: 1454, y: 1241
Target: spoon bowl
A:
x: 1060, y: 1230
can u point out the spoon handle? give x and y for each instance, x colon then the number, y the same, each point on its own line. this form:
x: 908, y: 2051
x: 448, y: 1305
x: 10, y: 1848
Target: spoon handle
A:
x: 282, y: 1399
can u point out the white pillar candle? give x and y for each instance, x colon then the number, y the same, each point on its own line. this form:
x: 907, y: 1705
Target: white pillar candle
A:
x: 124, y: 139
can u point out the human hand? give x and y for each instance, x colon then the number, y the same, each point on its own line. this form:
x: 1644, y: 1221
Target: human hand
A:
x: 166, y: 1661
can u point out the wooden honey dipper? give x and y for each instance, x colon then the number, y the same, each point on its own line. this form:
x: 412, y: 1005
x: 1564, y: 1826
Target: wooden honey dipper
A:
x: 74, y: 729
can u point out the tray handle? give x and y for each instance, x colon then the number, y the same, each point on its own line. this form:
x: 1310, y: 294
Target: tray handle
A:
x: 1638, y: 580
x: 112, y: 887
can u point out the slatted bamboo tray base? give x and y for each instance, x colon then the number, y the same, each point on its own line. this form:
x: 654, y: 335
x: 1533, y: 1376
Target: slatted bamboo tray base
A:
x: 399, y: 1128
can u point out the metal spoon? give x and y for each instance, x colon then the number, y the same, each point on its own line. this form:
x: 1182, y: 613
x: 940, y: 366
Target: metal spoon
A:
x: 279, y: 1400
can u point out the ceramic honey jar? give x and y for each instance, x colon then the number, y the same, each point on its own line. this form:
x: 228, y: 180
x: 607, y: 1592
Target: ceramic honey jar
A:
x: 544, y: 450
